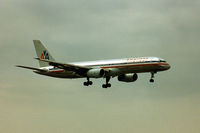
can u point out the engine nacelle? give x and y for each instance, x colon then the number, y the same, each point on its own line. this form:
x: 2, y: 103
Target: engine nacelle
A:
x: 128, y: 77
x: 95, y: 73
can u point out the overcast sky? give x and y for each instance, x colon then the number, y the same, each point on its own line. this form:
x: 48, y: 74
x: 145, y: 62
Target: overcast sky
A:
x: 80, y: 30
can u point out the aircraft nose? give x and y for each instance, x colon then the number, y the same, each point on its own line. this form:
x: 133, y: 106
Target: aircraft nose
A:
x: 167, y: 66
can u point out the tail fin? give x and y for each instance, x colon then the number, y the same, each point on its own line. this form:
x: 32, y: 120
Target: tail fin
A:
x: 42, y: 53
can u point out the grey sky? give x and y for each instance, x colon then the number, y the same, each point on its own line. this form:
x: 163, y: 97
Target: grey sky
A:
x: 89, y: 30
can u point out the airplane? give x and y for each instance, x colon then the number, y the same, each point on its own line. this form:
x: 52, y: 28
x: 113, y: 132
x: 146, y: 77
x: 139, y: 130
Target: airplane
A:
x: 126, y: 70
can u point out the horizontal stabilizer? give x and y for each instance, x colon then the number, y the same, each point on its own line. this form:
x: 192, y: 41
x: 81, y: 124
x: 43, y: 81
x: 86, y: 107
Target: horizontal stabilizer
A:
x: 32, y: 68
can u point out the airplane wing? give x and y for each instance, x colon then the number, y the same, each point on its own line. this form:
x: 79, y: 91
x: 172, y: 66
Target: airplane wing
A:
x: 69, y: 67
x: 32, y: 68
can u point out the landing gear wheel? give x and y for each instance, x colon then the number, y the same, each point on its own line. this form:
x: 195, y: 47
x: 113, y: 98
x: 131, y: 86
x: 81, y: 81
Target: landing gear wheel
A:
x: 108, y: 85
x: 90, y: 83
x: 85, y: 84
x: 151, y: 80
x: 104, y: 86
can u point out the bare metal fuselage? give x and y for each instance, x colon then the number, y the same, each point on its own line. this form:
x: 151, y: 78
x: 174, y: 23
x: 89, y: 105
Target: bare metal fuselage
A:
x: 115, y: 67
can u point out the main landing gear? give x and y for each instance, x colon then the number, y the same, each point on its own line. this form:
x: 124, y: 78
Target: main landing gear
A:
x: 152, y: 77
x: 88, y: 82
x: 107, y: 84
x: 103, y: 86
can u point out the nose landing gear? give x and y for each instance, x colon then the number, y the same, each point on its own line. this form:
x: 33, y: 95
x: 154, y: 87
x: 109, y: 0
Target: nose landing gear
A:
x: 152, y: 77
x: 151, y: 80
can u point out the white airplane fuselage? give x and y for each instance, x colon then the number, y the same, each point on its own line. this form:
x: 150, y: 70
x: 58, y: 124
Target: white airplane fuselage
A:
x: 116, y: 67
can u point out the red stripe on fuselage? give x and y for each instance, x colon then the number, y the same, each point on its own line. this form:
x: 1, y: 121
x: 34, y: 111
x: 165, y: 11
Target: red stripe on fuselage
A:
x: 136, y: 65
x: 121, y: 66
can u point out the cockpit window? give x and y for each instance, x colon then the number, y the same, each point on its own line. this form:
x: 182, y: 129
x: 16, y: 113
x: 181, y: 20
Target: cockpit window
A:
x: 162, y: 61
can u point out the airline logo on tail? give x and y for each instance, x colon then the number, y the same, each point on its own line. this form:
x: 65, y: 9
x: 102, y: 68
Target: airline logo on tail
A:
x: 44, y: 55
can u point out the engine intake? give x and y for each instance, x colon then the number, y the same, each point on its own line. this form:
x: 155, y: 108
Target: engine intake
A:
x: 95, y: 73
x: 128, y: 77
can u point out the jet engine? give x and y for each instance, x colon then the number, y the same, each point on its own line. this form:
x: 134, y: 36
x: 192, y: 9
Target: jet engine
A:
x: 95, y: 73
x: 128, y: 77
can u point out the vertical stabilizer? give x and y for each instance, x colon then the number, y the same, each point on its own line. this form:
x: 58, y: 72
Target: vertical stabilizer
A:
x: 42, y: 53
